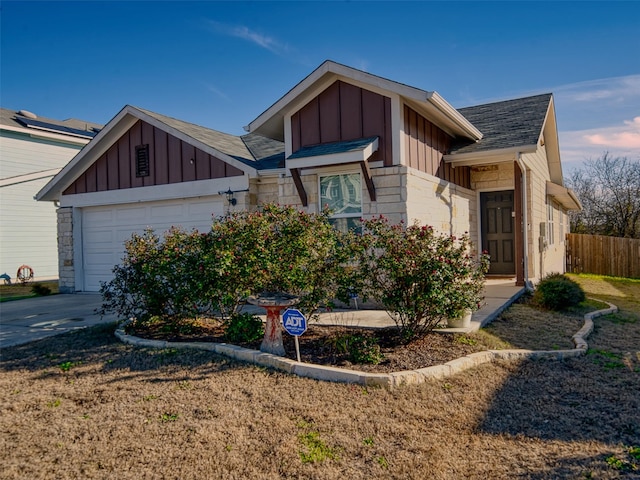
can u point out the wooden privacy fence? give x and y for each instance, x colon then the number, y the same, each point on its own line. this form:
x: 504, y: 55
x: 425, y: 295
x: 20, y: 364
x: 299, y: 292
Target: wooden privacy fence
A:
x: 602, y: 255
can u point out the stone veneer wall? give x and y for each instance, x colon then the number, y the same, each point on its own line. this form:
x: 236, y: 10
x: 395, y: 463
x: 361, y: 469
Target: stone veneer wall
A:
x: 389, y: 182
x: 402, y: 194
x: 66, y: 269
x: 497, y: 176
x: 447, y: 207
x: 391, y: 194
x: 264, y: 190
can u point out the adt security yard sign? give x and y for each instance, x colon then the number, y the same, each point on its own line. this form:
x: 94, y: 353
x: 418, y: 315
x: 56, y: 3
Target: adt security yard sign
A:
x: 294, y: 322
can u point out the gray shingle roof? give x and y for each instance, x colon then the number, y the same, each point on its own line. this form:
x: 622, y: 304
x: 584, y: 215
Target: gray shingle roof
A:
x: 333, y: 148
x: 251, y: 149
x: 268, y: 153
x: 507, y: 124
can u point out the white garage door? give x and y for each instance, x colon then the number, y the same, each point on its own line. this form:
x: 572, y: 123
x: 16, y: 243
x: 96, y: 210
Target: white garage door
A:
x: 105, y: 229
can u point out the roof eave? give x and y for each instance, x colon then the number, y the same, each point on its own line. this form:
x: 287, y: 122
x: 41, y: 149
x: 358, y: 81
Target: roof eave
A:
x: 564, y: 196
x: 60, y: 137
x: 488, y: 156
x: 550, y: 133
x: 463, y: 126
x: 96, y: 147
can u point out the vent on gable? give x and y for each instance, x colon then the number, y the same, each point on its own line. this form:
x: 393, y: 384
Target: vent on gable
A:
x: 142, y: 161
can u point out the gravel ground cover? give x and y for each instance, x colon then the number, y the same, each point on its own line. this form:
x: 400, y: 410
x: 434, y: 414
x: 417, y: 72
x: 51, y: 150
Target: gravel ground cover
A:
x: 84, y: 405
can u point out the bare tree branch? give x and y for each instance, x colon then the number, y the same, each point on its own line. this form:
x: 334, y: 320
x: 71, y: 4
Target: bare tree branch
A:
x: 609, y: 190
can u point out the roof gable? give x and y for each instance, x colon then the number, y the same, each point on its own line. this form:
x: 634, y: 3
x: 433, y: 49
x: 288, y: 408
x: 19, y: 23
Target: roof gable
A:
x: 247, y: 153
x: 271, y: 122
x: 508, y: 124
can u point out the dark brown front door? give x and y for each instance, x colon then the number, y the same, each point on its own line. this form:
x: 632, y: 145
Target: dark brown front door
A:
x: 498, y: 236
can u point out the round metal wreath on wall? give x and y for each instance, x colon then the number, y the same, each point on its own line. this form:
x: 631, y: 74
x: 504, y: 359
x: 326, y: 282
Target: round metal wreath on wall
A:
x: 24, y: 274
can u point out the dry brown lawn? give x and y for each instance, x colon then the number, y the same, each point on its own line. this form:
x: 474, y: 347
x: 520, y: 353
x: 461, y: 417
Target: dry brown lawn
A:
x: 85, y: 406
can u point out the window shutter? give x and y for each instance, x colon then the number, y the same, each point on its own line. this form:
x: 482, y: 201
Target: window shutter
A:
x: 142, y: 160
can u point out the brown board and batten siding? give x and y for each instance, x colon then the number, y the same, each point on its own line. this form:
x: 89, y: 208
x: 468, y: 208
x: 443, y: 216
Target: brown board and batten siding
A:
x: 425, y: 146
x: 344, y: 112
x: 170, y: 161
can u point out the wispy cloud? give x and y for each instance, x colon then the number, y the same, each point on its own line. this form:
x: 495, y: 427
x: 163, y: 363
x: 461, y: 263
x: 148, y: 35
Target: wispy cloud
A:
x: 213, y: 89
x: 615, y: 88
x: 245, y: 33
x: 598, y: 116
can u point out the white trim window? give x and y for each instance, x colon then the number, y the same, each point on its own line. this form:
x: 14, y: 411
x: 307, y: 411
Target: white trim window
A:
x: 550, y: 225
x: 342, y: 194
x: 561, y: 215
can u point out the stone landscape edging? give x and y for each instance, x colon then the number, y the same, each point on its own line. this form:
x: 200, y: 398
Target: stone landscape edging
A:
x: 387, y: 380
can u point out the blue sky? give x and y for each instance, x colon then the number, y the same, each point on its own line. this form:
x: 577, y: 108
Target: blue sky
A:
x: 221, y: 64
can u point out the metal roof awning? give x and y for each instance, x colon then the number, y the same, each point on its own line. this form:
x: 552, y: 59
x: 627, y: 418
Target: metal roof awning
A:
x: 564, y: 196
x: 331, y: 154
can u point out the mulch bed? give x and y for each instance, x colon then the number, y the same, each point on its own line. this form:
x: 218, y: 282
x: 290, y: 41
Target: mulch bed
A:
x: 319, y: 344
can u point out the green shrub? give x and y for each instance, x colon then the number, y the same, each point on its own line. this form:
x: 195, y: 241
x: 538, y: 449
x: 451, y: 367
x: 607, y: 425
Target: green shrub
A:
x: 189, y: 274
x: 281, y: 249
x: 244, y: 327
x: 360, y: 349
x: 558, y: 292
x: 159, y: 278
x: 364, y: 350
x: 422, y: 278
x: 40, y: 289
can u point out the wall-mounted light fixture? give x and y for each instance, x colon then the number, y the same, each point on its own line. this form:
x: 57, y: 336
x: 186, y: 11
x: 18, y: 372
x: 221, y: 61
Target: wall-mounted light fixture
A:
x: 229, y: 194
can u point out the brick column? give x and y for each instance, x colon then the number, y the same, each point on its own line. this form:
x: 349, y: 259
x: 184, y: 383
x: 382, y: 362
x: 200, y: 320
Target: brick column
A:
x: 66, y: 269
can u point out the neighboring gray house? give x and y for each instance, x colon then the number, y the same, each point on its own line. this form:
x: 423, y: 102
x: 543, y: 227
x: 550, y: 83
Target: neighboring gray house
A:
x: 32, y: 150
x: 362, y: 144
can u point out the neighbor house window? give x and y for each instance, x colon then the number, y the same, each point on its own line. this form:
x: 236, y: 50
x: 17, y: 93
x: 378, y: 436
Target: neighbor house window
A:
x: 550, y: 233
x: 342, y: 194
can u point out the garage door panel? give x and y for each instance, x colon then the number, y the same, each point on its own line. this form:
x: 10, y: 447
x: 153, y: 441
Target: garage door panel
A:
x: 162, y: 212
x: 99, y: 237
x: 99, y: 217
x: 204, y: 208
x: 131, y: 216
x: 101, y: 259
x: 105, y: 230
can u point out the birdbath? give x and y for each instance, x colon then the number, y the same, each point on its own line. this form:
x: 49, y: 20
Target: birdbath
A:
x: 274, y: 304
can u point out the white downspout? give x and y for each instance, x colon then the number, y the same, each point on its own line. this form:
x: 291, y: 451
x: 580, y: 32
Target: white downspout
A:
x: 525, y: 223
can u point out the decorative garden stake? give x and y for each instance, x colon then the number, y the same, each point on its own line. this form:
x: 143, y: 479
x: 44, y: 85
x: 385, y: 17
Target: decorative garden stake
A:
x: 274, y: 304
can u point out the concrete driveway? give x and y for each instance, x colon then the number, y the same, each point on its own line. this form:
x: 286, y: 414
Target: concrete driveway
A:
x: 23, y: 321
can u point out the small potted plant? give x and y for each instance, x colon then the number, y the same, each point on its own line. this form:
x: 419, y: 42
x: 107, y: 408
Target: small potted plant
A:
x: 465, y: 293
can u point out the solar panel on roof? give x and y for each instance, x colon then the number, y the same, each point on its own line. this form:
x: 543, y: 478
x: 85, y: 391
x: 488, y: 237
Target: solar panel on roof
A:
x: 52, y: 127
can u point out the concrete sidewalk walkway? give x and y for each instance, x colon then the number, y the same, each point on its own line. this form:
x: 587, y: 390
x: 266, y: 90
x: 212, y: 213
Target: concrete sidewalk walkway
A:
x: 23, y: 321
x: 499, y: 294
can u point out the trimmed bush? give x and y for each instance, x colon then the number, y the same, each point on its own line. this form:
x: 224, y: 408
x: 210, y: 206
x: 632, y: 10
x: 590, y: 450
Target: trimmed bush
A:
x: 243, y: 328
x: 158, y: 277
x: 185, y: 274
x: 421, y: 277
x: 558, y: 292
x: 365, y: 350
